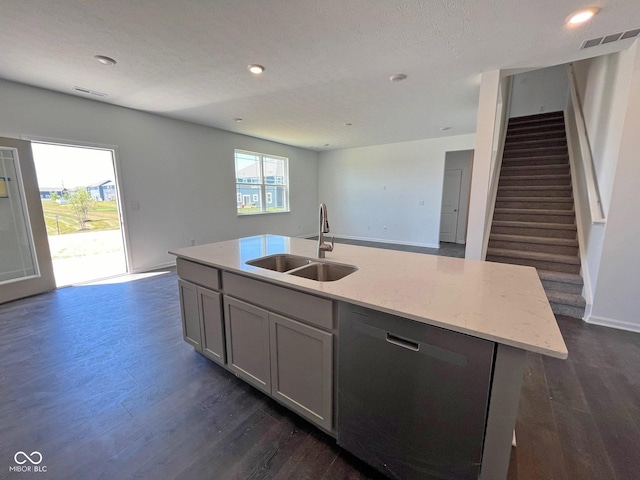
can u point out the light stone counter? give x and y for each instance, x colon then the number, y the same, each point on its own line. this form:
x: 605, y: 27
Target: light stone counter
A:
x: 497, y: 302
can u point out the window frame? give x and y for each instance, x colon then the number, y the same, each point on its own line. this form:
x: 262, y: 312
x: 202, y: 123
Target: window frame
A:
x: 261, y: 182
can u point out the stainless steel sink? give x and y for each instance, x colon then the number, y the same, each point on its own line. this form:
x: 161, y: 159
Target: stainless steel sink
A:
x: 280, y: 263
x: 324, y: 272
x: 304, y: 267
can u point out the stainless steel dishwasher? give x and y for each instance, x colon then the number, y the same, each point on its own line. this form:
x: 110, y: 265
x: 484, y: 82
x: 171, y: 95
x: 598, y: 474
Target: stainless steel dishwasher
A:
x: 412, y: 398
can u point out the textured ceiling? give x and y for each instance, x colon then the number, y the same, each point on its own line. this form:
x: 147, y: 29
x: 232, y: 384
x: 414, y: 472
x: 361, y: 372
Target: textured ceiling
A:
x: 327, y: 62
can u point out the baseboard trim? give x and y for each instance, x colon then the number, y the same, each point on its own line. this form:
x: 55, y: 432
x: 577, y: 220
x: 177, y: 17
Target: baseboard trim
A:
x: 380, y: 240
x: 151, y: 269
x: 613, y: 323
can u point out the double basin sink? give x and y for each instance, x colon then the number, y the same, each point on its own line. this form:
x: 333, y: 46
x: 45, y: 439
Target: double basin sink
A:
x: 304, y: 267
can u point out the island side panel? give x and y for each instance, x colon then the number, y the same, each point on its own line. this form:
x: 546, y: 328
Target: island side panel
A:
x: 503, y: 409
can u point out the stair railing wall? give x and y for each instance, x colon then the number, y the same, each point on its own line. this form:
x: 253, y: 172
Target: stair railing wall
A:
x: 590, y: 219
x: 581, y: 149
x: 502, y: 121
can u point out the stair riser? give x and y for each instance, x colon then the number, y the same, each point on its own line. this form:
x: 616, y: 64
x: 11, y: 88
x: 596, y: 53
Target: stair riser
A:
x: 541, y: 118
x: 534, y: 247
x: 507, y: 192
x: 532, y: 161
x: 567, y: 310
x: 526, y: 129
x: 564, y: 206
x: 535, y: 152
x: 527, y: 182
x: 537, y: 217
x: 544, y: 265
x: 526, y: 136
x: 546, y: 170
x: 535, y: 232
x: 521, y: 144
x: 562, y: 287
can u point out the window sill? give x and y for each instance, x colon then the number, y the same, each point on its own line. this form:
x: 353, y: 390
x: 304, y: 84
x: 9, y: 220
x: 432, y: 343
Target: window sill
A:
x: 261, y: 213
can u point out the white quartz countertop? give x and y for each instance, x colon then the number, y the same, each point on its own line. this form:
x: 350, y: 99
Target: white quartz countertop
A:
x: 497, y: 302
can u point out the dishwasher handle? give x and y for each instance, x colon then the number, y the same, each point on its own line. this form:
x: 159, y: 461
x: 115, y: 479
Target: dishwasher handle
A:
x: 403, y: 342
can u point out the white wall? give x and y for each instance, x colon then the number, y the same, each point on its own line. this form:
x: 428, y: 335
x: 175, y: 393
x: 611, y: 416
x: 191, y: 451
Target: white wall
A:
x: 491, y: 107
x: 603, y: 87
x: 367, y: 189
x: 461, y: 160
x: 617, y: 299
x: 181, y: 174
x: 539, y: 91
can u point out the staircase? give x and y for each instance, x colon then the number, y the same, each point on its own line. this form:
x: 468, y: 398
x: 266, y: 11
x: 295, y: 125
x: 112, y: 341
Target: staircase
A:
x: 534, y: 220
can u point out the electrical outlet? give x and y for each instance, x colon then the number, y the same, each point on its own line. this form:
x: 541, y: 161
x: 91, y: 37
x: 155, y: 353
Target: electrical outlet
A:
x: 421, y: 202
x: 193, y: 242
x: 384, y: 228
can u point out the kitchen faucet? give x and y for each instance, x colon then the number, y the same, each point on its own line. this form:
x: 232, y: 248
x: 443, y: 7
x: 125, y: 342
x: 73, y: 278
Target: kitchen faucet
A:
x: 324, y: 228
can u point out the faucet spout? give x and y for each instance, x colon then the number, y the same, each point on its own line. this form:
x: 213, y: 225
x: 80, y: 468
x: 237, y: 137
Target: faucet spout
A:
x: 324, y: 228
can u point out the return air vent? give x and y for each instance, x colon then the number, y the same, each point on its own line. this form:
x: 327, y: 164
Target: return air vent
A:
x: 89, y: 92
x: 614, y: 37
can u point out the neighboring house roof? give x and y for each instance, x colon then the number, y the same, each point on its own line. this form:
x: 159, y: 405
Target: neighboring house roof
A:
x: 271, y: 169
x: 50, y: 189
x: 104, y: 183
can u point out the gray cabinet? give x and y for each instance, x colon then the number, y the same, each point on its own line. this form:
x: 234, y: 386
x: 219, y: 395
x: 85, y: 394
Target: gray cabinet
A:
x: 285, y: 358
x: 211, y: 324
x: 247, y: 336
x: 302, y: 368
x: 189, y: 311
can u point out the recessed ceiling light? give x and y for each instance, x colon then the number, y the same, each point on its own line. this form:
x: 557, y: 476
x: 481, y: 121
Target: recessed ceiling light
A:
x: 398, y: 77
x: 105, y: 60
x: 445, y: 128
x: 326, y: 144
x: 255, y: 68
x: 582, y: 16
x: 348, y: 124
x: 238, y: 120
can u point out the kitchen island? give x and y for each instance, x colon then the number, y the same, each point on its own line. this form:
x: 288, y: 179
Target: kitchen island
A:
x: 279, y: 331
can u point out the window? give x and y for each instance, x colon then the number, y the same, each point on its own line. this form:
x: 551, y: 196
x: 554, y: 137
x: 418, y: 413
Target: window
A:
x: 262, y: 183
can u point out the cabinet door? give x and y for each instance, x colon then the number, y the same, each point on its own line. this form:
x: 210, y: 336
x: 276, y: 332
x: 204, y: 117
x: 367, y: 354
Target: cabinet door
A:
x: 190, y: 314
x: 302, y: 369
x: 247, y: 335
x: 210, y: 304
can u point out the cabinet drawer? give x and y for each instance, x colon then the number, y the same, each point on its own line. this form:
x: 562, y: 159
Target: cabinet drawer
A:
x: 308, y: 308
x: 199, y: 274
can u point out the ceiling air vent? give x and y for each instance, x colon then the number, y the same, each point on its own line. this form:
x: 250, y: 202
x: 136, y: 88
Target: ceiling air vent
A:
x: 89, y: 92
x: 614, y: 37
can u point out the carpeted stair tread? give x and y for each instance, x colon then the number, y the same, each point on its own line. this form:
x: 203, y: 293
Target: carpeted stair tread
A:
x: 538, y: 117
x: 542, y: 159
x: 560, y: 277
x: 564, y: 176
x: 536, y: 211
x: 534, y: 168
x: 536, y: 199
x: 559, y: 133
x: 566, y: 298
x: 527, y: 239
x: 535, y: 152
x: 539, y: 256
x: 543, y: 225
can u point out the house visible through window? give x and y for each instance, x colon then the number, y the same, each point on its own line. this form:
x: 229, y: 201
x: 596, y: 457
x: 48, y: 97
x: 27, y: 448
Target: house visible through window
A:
x: 262, y: 183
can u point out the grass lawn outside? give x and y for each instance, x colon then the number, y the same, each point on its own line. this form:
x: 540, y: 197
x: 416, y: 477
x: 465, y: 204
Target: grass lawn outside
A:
x: 103, y: 216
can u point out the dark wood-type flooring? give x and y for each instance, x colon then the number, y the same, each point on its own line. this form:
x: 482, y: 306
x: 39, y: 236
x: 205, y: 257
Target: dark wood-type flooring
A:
x: 98, y: 380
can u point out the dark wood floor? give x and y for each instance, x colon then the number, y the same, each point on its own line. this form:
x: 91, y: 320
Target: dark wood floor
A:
x: 98, y: 380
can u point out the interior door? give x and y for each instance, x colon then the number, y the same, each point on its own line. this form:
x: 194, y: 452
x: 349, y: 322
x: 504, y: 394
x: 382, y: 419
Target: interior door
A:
x: 450, y: 205
x: 25, y: 260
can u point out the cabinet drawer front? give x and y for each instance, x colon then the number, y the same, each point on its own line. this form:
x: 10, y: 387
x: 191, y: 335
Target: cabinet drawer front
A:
x: 199, y: 274
x: 308, y: 308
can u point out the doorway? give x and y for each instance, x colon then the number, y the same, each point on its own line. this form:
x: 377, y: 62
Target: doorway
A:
x: 455, y: 196
x: 81, y: 205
